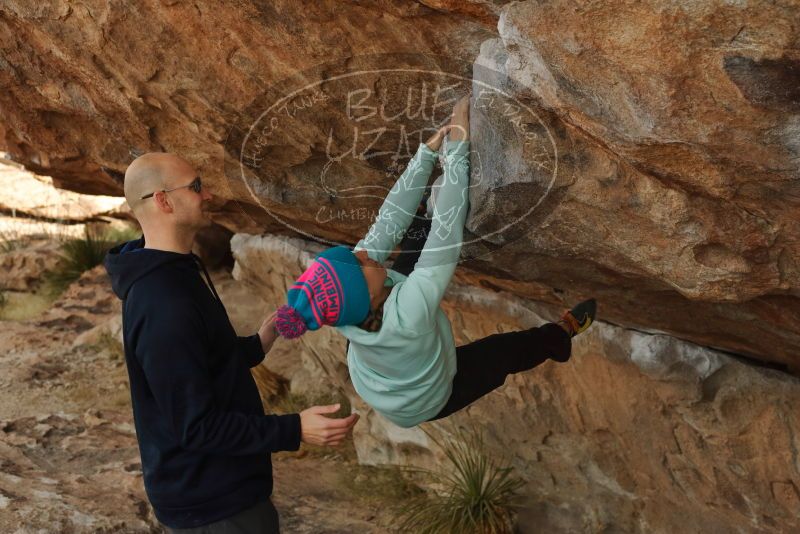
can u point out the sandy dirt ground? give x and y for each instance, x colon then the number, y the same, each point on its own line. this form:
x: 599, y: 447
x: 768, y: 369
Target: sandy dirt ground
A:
x: 69, y: 461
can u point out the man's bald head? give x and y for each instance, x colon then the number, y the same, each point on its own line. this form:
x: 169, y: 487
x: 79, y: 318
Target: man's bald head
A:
x: 153, y: 172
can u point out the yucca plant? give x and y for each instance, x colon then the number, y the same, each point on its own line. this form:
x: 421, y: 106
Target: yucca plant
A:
x: 83, y: 253
x: 474, y: 496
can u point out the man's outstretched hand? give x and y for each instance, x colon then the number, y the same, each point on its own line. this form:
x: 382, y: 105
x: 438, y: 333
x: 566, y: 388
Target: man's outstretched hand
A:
x: 267, y: 332
x: 317, y: 429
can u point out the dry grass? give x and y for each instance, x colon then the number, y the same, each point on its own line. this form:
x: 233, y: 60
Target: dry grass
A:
x: 111, y: 345
x: 271, y: 386
x: 84, y: 392
x: 17, y: 232
x: 85, y: 389
x: 21, y: 306
x: 388, y: 485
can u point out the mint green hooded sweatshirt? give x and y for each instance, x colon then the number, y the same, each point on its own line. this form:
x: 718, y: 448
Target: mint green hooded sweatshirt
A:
x: 405, y: 370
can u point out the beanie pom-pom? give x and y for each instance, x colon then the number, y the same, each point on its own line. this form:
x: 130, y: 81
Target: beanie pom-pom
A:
x: 290, y: 323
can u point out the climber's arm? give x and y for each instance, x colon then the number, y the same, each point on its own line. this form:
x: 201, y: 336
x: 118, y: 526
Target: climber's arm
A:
x: 397, y: 211
x: 421, y: 293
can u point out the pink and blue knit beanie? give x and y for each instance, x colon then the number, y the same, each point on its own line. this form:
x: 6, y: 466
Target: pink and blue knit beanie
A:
x: 332, y: 291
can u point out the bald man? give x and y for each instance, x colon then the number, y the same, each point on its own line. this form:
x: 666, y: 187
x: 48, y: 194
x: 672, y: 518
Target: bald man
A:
x: 204, y: 439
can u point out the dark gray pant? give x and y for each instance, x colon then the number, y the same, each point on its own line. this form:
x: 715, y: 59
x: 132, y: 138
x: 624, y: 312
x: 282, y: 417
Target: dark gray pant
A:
x: 482, y: 366
x: 259, y: 519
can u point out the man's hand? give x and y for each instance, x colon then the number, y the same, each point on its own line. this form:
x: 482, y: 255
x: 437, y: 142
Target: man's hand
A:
x: 267, y: 332
x: 317, y: 429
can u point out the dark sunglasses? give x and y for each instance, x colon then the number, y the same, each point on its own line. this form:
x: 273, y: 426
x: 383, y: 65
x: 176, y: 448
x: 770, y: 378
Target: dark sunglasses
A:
x: 195, y: 186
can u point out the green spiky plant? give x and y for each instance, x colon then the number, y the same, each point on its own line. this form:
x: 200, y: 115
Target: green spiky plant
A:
x: 83, y: 253
x: 477, y: 495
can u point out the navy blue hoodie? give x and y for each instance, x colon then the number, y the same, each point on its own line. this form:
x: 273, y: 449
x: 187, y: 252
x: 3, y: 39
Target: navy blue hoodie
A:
x: 204, y: 439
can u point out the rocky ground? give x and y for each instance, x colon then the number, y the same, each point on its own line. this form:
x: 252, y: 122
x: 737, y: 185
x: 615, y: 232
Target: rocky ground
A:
x: 69, y: 461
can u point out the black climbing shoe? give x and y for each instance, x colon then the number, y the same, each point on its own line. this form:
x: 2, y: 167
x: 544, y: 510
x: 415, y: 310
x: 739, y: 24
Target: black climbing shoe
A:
x: 580, y: 317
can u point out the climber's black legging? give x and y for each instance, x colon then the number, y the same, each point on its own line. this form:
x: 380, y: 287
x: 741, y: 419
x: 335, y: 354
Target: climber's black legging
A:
x: 482, y: 366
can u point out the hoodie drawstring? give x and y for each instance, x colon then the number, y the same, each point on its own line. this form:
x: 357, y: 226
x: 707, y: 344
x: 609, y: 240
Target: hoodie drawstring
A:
x: 208, y: 277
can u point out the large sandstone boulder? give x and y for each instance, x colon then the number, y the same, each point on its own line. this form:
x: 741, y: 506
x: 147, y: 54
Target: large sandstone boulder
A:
x: 23, y: 269
x: 644, y: 153
x: 672, y: 153
x: 636, y: 433
x: 24, y: 194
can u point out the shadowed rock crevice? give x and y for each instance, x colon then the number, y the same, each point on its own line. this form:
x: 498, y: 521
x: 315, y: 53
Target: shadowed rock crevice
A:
x: 771, y: 83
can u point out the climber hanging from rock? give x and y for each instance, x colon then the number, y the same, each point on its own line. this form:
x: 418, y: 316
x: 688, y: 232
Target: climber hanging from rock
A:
x: 402, y: 356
